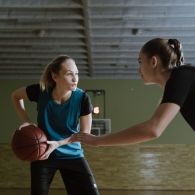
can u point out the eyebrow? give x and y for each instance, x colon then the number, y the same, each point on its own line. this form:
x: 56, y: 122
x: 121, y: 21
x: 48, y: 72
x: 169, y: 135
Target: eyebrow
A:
x: 70, y: 71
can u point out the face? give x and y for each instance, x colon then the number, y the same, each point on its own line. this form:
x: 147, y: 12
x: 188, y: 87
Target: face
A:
x: 146, y: 68
x: 67, y: 77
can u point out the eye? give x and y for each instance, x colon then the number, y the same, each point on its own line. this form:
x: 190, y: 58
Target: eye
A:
x: 68, y: 73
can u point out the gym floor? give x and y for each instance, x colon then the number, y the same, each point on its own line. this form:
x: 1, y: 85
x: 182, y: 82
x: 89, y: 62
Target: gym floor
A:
x: 103, y: 192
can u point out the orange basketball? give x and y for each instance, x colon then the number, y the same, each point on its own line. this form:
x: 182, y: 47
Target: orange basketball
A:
x: 29, y: 143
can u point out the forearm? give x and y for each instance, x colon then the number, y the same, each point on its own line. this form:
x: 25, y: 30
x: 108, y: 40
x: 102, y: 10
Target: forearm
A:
x: 148, y: 130
x: 64, y: 141
x: 68, y: 140
x: 136, y: 134
x: 20, y: 110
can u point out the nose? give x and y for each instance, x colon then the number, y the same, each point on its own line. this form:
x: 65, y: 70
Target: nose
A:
x: 75, y: 78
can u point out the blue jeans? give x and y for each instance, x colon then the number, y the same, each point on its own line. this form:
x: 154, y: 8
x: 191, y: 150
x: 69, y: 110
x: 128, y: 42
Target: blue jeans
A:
x: 76, y: 174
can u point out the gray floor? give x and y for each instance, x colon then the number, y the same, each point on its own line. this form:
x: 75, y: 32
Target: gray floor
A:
x: 102, y: 192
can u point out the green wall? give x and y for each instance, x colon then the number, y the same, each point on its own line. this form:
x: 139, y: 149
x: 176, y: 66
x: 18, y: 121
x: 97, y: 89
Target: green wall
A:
x: 127, y: 103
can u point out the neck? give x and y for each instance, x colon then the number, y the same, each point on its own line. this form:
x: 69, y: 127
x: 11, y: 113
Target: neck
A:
x: 61, y: 95
x: 163, y: 78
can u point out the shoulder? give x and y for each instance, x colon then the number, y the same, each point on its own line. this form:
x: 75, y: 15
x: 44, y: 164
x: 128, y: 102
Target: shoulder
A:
x: 179, y: 85
x: 184, y: 69
x: 33, y: 88
x: 182, y: 74
x: 84, y: 94
x: 79, y: 90
x: 33, y: 91
x: 78, y: 93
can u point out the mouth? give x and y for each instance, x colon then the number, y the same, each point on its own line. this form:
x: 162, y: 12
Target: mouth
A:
x: 74, y: 85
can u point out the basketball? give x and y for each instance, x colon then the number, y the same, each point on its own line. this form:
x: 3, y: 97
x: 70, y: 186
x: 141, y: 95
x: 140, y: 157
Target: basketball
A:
x: 29, y: 143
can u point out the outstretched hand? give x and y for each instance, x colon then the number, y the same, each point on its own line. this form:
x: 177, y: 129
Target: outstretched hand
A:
x: 52, y: 145
x: 85, y: 138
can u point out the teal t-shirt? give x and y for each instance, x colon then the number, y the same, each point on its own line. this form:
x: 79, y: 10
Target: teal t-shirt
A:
x: 59, y: 121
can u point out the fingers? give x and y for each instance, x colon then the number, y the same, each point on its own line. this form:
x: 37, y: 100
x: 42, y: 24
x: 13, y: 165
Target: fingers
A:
x: 44, y: 157
x: 50, y: 149
x: 26, y: 124
x: 47, y: 153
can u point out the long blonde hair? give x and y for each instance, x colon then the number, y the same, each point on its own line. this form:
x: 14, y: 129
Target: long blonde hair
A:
x: 54, y: 66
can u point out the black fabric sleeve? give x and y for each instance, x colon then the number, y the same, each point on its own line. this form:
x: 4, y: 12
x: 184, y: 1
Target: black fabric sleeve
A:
x: 33, y: 92
x: 86, y: 106
x: 178, y: 87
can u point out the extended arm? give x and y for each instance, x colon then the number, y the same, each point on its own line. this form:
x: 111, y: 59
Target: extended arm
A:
x: 142, y: 132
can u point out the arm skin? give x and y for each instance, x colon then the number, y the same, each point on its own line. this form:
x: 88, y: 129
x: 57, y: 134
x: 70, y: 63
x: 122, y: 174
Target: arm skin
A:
x: 18, y: 97
x: 85, y: 123
x: 146, y: 131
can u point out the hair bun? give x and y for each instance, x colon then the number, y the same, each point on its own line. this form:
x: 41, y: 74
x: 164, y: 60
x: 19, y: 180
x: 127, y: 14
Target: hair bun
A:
x: 177, y: 47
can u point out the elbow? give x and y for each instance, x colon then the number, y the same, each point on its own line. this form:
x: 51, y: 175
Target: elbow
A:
x: 155, y: 133
x: 154, y: 130
x: 13, y: 95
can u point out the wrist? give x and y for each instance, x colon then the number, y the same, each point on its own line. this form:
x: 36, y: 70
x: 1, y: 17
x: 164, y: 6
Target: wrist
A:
x: 63, y: 141
x: 60, y: 143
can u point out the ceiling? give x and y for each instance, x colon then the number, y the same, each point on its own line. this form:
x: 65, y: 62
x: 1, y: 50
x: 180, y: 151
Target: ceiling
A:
x: 103, y: 36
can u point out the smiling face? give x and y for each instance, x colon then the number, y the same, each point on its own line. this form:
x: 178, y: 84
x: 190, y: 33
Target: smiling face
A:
x: 67, y: 77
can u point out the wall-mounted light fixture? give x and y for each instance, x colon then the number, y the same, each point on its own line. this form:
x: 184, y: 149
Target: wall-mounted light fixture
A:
x: 98, y: 100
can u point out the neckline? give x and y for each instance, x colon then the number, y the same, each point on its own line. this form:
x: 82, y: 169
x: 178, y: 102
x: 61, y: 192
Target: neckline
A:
x: 59, y: 104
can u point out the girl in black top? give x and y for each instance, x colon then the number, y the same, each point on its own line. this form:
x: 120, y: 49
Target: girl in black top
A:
x: 161, y: 62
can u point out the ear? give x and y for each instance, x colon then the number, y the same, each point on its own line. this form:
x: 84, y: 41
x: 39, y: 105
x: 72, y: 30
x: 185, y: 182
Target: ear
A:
x: 154, y: 61
x: 54, y: 76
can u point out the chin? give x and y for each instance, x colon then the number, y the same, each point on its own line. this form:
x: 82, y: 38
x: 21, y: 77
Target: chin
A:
x: 149, y: 83
x: 146, y: 82
x: 73, y: 88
